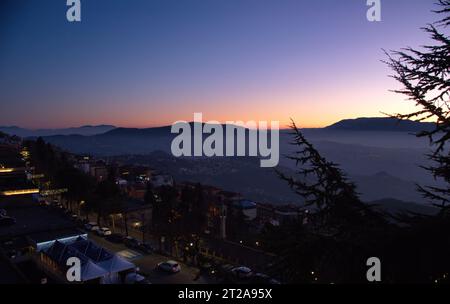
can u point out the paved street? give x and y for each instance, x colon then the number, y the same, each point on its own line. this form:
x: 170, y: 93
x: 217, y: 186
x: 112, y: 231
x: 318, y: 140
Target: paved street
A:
x: 147, y: 263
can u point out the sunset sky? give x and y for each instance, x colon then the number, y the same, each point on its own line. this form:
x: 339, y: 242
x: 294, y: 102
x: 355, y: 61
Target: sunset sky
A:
x: 145, y: 63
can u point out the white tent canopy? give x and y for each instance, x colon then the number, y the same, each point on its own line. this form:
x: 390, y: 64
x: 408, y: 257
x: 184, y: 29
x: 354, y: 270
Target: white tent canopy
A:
x: 90, y: 271
x: 96, y: 262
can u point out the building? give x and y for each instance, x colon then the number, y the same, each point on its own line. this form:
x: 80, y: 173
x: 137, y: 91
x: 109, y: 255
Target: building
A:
x: 278, y: 215
x: 160, y: 180
x: 135, y: 212
x: 83, y: 165
x: 99, y: 172
x: 13, y: 179
x: 137, y: 191
x: 98, y: 265
x: 33, y: 226
x: 248, y: 208
x: 35, y: 239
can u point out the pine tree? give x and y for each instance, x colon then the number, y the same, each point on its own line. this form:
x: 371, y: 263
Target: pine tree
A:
x: 336, y: 207
x: 424, y: 76
x: 342, y: 230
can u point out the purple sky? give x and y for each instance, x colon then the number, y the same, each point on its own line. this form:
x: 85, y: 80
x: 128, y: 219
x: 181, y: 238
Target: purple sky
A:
x: 145, y: 63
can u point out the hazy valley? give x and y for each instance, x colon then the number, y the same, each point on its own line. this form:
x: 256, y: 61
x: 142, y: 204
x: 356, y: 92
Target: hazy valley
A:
x: 383, y: 161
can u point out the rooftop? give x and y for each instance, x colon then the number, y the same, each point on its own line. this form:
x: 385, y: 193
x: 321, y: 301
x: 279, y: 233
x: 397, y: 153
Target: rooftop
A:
x: 15, y: 182
x: 96, y: 262
x: 245, y: 204
x: 31, y: 218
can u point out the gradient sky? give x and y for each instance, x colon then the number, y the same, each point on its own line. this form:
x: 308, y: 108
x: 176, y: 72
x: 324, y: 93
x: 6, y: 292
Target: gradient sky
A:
x: 141, y: 63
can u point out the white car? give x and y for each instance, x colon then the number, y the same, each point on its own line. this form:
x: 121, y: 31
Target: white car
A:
x: 103, y: 231
x: 91, y: 226
x: 169, y: 266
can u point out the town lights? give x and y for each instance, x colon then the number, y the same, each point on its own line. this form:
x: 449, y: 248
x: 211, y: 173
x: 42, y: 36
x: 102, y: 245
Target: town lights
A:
x: 19, y: 192
x: 25, y: 154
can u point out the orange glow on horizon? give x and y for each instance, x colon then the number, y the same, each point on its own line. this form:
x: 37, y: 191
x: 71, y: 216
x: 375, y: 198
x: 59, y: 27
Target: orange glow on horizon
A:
x: 312, y: 108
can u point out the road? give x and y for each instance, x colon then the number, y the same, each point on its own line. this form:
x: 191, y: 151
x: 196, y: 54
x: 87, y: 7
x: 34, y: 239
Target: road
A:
x: 147, y: 263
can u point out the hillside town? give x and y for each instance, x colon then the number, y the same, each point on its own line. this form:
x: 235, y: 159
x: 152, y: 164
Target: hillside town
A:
x: 127, y: 224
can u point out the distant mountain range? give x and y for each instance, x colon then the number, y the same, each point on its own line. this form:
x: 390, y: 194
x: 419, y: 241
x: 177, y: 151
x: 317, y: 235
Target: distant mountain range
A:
x: 382, y: 163
x: 358, y: 124
x: 83, y: 130
x: 381, y: 124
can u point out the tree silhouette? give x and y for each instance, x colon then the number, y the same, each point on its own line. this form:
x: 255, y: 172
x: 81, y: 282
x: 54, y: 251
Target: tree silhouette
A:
x: 336, y: 207
x: 424, y: 76
x: 342, y: 231
x: 105, y: 200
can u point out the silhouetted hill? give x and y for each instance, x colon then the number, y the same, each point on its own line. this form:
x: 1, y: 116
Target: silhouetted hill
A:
x: 383, y: 164
x: 135, y: 132
x: 83, y: 130
x: 381, y: 124
x: 119, y: 141
x: 394, y: 206
x: 156, y: 131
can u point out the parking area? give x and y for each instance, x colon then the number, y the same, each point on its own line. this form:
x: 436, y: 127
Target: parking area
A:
x: 146, y: 259
x: 147, y: 264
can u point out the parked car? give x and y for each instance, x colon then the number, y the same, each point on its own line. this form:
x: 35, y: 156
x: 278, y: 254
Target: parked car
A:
x: 145, y: 248
x: 7, y: 243
x: 131, y: 242
x: 12, y: 253
x: 58, y: 206
x: 91, y: 226
x: 169, y: 266
x: 115, y: 238
x: 104, y: 231
x: 242, y: 272
x: 7, y: 221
